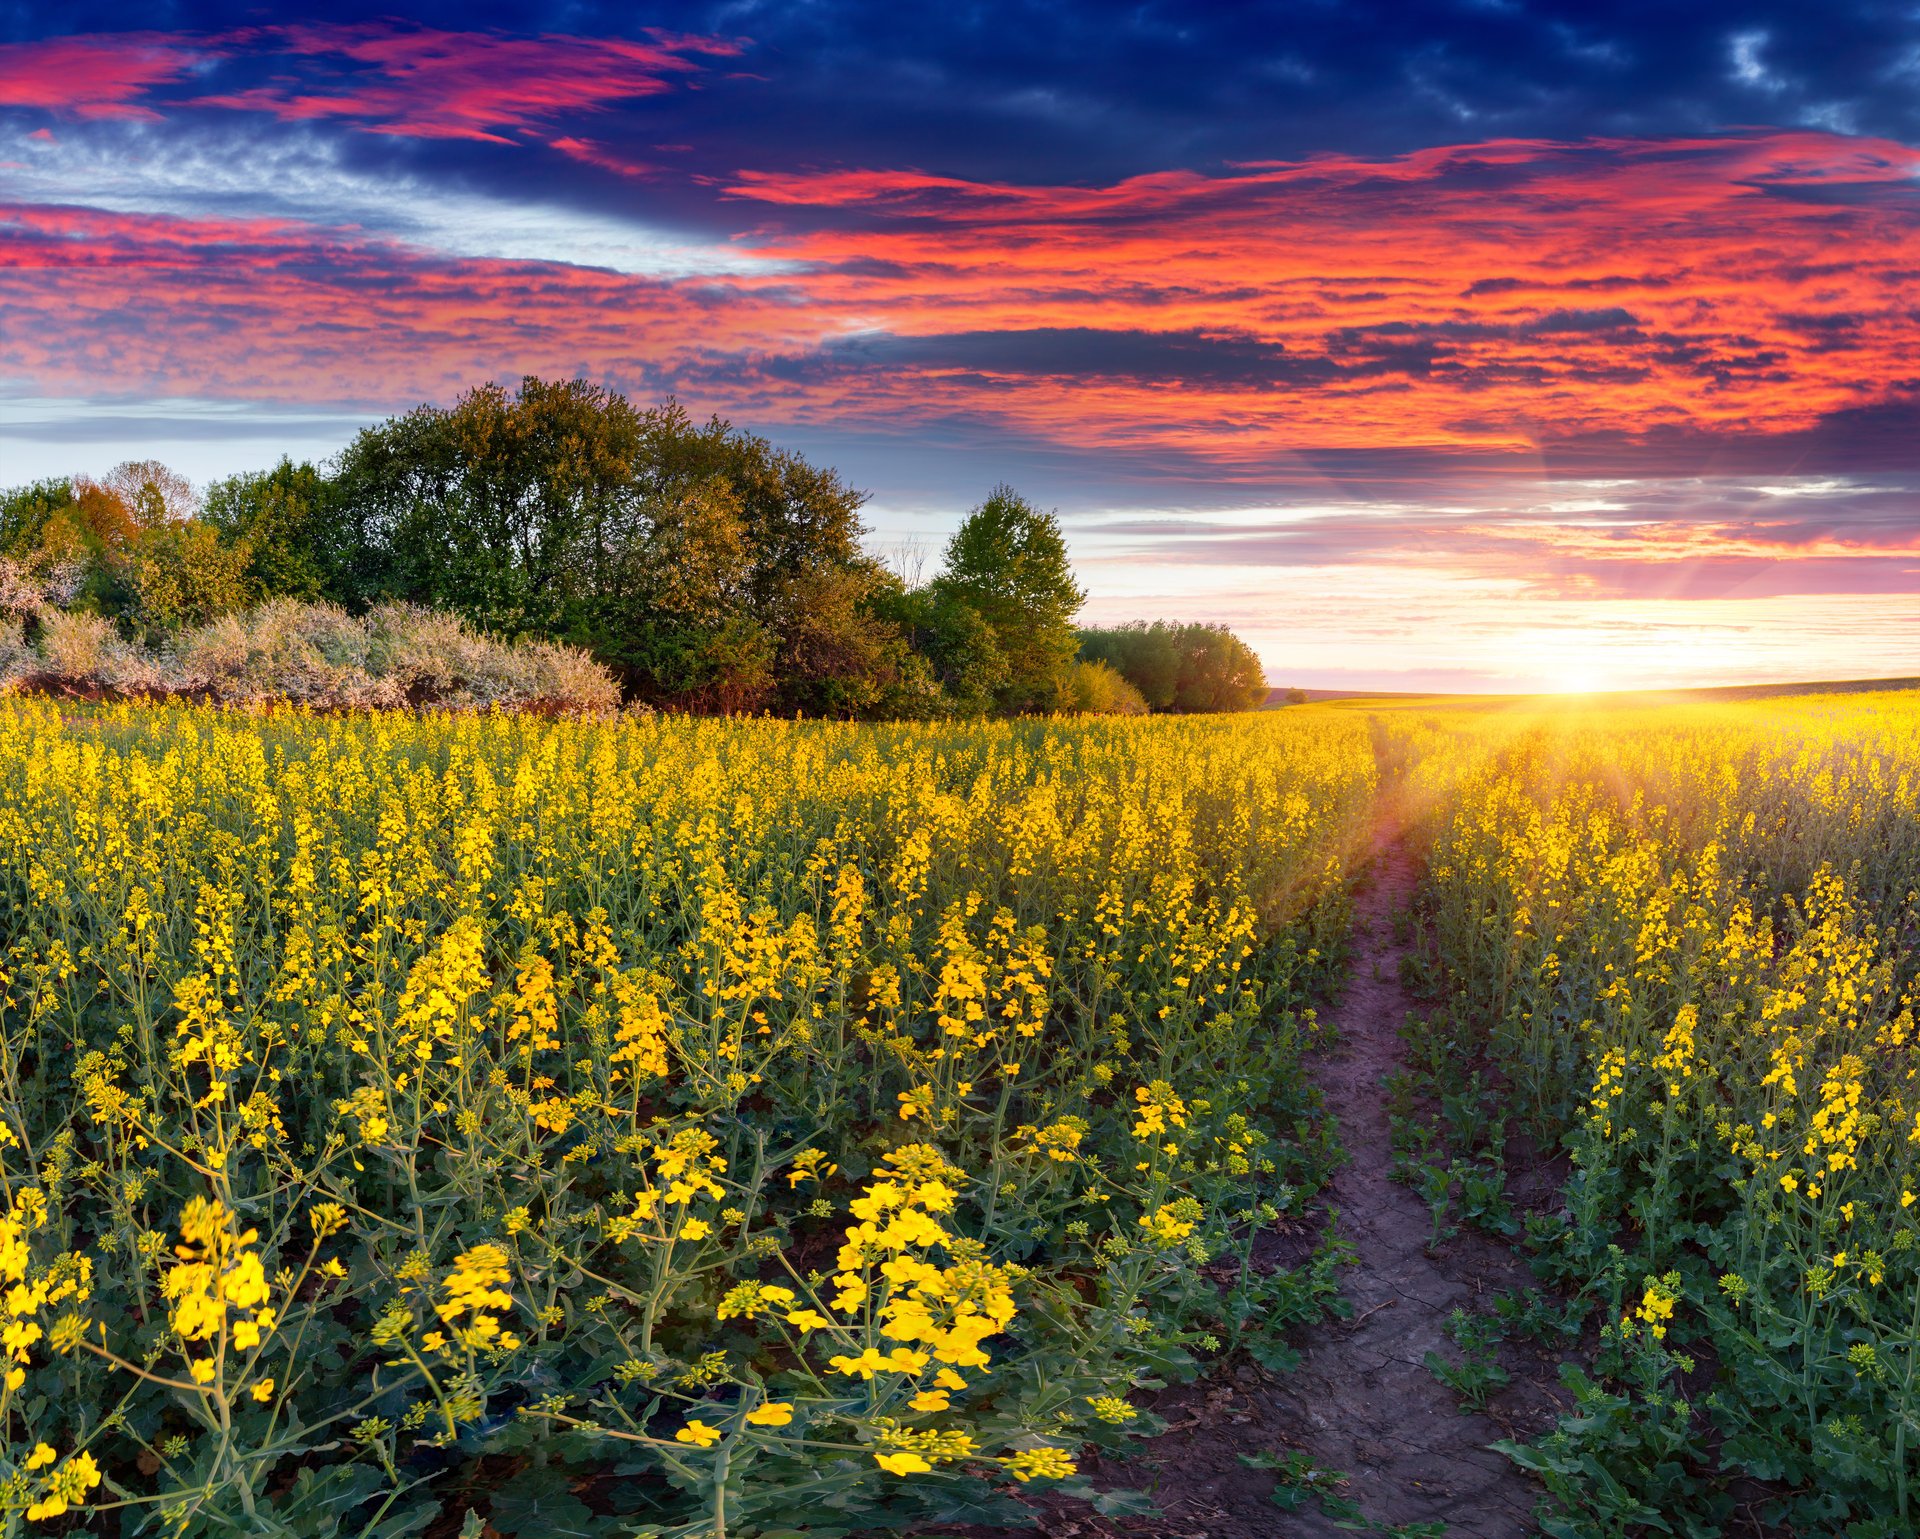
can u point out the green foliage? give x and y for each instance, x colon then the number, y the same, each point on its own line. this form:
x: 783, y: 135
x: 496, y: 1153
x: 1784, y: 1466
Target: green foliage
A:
x: 283, y: 518
x: 1008, y: 561
x: 1095, y: 689
x: 1181, y: 667
x: 707, y: 567
x: 965, y: 664
x: 709, y: 570
x: 182, y: 575
x: 1478, y: 1373
x: 1298, y: 1479
x: 25, y: 512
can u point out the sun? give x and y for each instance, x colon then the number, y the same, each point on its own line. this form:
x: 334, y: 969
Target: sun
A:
x: 1576, y: 679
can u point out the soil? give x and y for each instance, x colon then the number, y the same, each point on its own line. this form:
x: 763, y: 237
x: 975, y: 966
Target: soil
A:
x: 1362, y: 1401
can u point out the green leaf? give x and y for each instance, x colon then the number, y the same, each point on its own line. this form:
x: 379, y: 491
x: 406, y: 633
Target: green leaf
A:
x: 539, y: 1504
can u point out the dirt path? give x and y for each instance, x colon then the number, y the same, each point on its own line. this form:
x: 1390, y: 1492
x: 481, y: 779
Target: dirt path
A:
x: 1362, y: 1400
x: 1362, y: 1403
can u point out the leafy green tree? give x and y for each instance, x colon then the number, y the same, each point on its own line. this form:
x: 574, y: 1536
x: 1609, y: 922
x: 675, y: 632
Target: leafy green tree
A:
x: 1181, y: 667
x: 26, y: 511
x: 1147, y: 656
x: 1218, y: 672
x: 282, y: 517
x: 708, y: 568
x: 183, y: 575
x: 1008, y: 562
x: 956, y: 646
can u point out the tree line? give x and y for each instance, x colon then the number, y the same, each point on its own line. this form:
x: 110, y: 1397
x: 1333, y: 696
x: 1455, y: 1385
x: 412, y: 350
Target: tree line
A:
x: 706, y: 568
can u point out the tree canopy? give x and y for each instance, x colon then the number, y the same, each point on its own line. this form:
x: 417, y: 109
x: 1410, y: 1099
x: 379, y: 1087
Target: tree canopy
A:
x: 1181, y: 667
x: 707, y: 568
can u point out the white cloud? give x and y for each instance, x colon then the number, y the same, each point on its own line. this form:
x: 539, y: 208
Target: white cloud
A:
x: 258, y: 172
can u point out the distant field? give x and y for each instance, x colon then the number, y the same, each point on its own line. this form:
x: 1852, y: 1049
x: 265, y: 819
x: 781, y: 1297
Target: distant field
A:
x: 1277, y: 697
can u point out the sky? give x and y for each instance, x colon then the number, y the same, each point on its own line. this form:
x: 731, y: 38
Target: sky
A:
x: 1430, y: 345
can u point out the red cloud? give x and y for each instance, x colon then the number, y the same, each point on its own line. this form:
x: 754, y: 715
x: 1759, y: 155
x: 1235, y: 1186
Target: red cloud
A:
x: 1485, y: 300
x: 93, y: 77
x: 98, y: 303
x: 380, y: 77
x: 592, y: 153
x: 1489, y: 295
x: 458, y: 85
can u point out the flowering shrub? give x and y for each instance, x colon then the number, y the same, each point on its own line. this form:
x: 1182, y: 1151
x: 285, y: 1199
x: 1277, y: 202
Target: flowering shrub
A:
x: 1689, y: 938
x: 672, y: 1126
x: 311, y: 654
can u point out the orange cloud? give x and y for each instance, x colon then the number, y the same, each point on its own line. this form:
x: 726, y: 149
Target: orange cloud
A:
x: 1496, y: 302
x: 1492, y: 295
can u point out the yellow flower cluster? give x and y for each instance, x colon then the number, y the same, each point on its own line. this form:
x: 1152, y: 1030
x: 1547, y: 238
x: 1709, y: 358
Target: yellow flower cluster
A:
x: 943, y: 1313
x: 473, y: 1297
x: 406, y: 1061
x: 218, y: 1286
x: 1687, y: 931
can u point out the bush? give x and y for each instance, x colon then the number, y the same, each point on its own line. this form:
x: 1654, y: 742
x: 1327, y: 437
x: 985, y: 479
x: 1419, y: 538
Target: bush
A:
x: 1094, y: 689
x: 398, y: 654
x: 17, y: 660
x: 73, y: 647
x: 317, y: 655
x: 314, y: 654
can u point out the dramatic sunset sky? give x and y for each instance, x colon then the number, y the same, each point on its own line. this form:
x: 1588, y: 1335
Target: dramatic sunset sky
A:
x: 1488, y: 345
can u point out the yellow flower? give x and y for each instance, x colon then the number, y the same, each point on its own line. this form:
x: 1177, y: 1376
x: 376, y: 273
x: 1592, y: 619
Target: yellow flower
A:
x: 774, y: 1413
x: 263, y: 1391
x: 902, y: 1463
x: 1040, y: 1464
x: 931, y: 1400
x: 326, y: 1218
x: 41, y: 1457
x: 698, y: 1433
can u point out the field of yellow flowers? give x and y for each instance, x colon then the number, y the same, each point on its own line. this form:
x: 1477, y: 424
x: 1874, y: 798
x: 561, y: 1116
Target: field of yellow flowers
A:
x: 734, y: 1126
x: 1684, y: 943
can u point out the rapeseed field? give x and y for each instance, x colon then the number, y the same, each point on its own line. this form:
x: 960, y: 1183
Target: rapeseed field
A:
x: 747, y: 1113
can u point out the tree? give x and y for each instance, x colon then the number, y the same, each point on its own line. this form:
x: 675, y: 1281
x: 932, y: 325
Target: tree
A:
x: 698, y: 561
x: 153, y: 495
x: 1008, y: 561
x: 25, y: 512
x: 282, y: 516
x: 1219, y: 672
x: 1147, y: 656
x: 183, y: 575
x: 953, y: 643
x: 1181, y: 667
x: 71, y: 536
